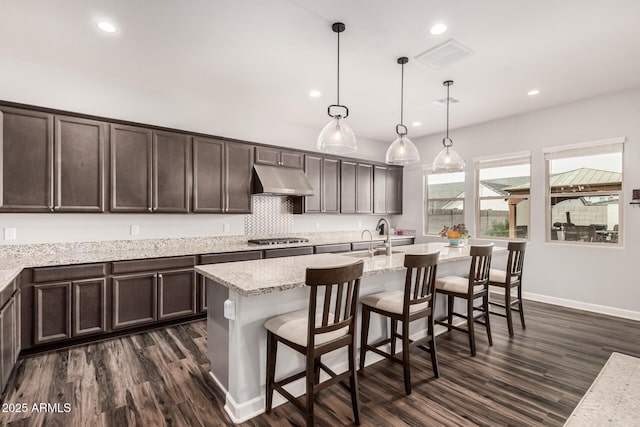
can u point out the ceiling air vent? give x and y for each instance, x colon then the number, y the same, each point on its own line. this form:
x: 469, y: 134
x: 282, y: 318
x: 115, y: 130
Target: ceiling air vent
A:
x: 447, y: 53
x: 443, y: 101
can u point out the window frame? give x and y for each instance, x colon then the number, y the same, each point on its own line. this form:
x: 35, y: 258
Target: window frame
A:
x: 426, y: 199
x: 600, y: 147
x: 512, y: 159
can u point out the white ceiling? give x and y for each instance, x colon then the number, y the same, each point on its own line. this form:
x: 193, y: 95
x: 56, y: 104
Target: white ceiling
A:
x: 265, y: 56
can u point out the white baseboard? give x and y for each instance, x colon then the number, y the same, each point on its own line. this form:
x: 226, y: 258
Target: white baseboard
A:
x: 594, y: 308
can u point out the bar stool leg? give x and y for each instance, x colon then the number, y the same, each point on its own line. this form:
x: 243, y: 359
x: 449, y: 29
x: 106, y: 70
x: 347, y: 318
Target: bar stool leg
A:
x: 487, y: 322
x: 470, y: 329
x: 353, y: 385
x: 520, y: 304
x: 272, y: 347
x: 507, y: 308
x: 432, y: 348
x: 316, y: 371
x: 450, y: 300
x: 394, y: 329
x: 366, y: 314
x: 406, y: 362
x: 310, y: 393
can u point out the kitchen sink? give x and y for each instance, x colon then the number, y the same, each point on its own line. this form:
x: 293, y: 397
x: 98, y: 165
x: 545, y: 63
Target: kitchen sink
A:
x: 367, y: 254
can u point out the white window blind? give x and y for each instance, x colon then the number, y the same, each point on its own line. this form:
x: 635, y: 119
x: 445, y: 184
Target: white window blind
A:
x: 609, y: 146
x: 520, y: 158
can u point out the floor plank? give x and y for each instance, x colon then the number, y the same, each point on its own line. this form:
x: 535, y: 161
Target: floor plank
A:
x: 160, y: 378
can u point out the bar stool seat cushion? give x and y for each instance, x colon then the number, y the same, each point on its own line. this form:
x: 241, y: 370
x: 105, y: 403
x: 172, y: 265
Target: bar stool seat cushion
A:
x: 391, y: 301
x: 293, y: 327
x: 500, y: 276
x: 455, y: 284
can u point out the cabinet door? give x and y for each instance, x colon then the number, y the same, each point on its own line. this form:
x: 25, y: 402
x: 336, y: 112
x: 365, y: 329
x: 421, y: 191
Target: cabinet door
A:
x: 379, y: 189
x: 290, y: 159
x: 364, y: 188
x: 26, y: 147
x: 131, y: 169
x: 267, y: 156
x: 176, y: 293
x: 239, y: 170
x: 134, y: 300
x: 348, y: 187
x: 394, y: 191
x: 79, y: 165
x: 8, y: 337
x: 89, y: 307
x: 203, y: 295
x: 52, y: 311
x: 330, y: 185
x: 313, y: 170
x: 208, y: 175
x: 171, y: 172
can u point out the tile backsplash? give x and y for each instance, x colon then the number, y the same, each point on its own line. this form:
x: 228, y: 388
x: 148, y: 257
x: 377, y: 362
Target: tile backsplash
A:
x: 271, y: 215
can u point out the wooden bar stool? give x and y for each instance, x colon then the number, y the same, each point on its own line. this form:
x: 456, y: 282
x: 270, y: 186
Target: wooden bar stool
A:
x: 328, y: 324
x: 471, y: 288
x: 508, y: 279
x: 413, y: 303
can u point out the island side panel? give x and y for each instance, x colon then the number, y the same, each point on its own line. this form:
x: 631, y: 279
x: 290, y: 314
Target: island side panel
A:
x: 218, y: 333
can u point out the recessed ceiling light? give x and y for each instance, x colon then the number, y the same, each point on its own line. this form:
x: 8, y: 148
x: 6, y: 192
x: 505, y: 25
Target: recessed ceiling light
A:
x: 533, y: 92
x: 438, y: 29
x: 106, y: 27
x: 416, y: 124
x: 315, y: 93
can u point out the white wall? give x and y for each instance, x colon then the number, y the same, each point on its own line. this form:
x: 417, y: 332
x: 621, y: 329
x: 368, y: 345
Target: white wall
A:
x: 59, y: 88
x: 605, y: 276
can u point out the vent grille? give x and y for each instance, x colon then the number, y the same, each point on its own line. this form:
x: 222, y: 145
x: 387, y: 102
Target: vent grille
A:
x: 447, y: 53
x: 443, y: 101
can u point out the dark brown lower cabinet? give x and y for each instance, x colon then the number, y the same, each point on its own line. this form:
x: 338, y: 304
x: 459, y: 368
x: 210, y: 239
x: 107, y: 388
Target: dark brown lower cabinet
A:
x: 203, y: 295
x: 176, y: 293
x: 52, y: 312
x: 89, y: 307
x: 134, y: 299
x: 9, y: 338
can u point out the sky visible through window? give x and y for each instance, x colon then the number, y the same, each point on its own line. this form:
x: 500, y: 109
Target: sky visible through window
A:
x: 607, y: 162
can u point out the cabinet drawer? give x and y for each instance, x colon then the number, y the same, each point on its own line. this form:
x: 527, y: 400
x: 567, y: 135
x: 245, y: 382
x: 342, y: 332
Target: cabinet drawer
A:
x: 277, y: 253
x: 154, y: 264
x: 230, y: 257
x: 361, y: 246
x: 68, y: 272
x: 334, y: 248
x: 402, y: 242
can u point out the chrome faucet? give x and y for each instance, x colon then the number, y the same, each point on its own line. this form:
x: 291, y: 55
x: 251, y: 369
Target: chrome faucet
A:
x: 370, y: 240
x: 387, y: 241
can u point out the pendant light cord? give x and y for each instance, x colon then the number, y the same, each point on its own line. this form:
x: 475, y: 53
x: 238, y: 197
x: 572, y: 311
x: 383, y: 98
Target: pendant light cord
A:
x: 448, y: 111
x: 338, y: 79
x: 402, y: 96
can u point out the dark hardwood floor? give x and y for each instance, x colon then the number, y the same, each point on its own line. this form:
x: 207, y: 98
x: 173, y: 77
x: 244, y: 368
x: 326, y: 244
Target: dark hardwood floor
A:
x: 160, y: 378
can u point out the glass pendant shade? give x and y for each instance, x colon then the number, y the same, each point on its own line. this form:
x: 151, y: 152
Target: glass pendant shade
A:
x: 337, y: 137
x: 448, y: 160
x: 402, y: 152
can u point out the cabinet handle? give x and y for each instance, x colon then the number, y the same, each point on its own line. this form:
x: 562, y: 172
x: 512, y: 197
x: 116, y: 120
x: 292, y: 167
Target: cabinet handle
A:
x: 160, y: 276
x: 150, y: 209
x: 55, y: 208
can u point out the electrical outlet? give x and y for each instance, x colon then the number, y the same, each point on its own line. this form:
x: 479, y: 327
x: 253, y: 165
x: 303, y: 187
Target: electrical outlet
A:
x: 225, y: 227
x: 9, y: 233
x: 135, y: 230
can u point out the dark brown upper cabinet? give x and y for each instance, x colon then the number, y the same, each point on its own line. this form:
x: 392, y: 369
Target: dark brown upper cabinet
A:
x: 150, y: 170
x: 79, y: 165
x: 131, y: 169
x: 379, y: 189
x: 364, y: 188
x: 26, y: 147
x: 221, y: 176
x: 348, y: 187
x: 52, y: 163
x: 394, y: 190
x: 324, y: 176
x: 275, y: 157
x: 171, y: 172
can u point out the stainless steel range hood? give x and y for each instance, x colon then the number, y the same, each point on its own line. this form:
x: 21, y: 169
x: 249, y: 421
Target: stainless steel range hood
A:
x: 281, y: 181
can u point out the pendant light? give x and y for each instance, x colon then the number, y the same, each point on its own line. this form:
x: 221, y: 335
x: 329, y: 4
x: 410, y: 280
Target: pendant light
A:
x: 402, y: 151
x: 448, y: 160
x: 337, y: 136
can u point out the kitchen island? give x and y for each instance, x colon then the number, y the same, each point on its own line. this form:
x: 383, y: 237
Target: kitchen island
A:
x: 257, y: 290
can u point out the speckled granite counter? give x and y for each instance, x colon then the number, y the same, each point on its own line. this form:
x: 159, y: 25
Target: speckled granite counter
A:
x: 13, y: 258
x: 263, y: 276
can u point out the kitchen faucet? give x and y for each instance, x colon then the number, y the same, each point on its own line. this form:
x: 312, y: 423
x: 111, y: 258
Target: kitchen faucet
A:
x: 370, y: 241
x: 387, y: 241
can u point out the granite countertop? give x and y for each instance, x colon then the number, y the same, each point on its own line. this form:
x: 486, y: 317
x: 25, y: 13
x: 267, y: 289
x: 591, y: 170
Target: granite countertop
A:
x: 14, y: 258
x: 250, y: 278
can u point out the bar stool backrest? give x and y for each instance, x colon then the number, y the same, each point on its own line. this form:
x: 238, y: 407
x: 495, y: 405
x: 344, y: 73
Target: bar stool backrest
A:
x: 480, y: 266
x: 339, y: 305
x: 420, y: 280
x: 515, y: 261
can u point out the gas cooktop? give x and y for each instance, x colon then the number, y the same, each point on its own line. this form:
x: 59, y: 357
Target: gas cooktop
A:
x: 278, y: 240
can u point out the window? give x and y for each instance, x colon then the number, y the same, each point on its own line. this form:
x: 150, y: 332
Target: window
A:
x: 444, y: 201
x: 502, y: 208
x: 584, y: 189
